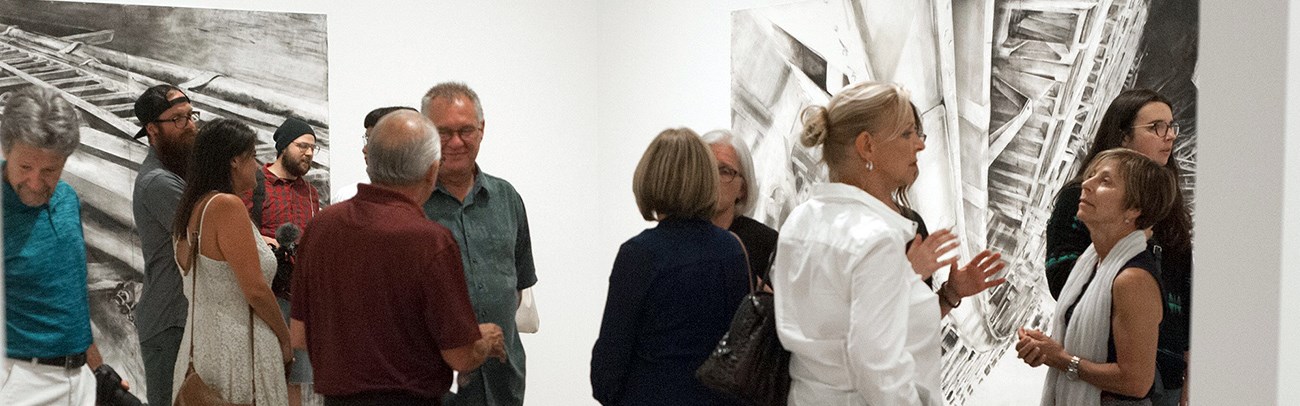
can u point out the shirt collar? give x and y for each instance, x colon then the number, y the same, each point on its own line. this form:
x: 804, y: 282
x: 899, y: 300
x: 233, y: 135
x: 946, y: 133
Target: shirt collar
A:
x: 473, y: 190
x: 844, y: 192
x: 380, y: 194
x: 266, y: 171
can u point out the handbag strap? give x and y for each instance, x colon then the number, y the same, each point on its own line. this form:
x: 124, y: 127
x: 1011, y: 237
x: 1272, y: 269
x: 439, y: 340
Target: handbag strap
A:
x: 753, y: 280
x: 194, y: 266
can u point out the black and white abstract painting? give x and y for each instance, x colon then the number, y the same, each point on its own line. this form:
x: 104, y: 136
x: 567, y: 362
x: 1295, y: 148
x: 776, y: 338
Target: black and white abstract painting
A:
x: 258, y: 67
x: 1010, y: 93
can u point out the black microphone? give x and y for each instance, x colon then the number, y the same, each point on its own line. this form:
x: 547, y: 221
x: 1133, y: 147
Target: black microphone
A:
x: 287, y: 235
x: 108, y: 388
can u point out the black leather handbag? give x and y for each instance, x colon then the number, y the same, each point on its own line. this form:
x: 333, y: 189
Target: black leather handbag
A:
x: 750, y: 364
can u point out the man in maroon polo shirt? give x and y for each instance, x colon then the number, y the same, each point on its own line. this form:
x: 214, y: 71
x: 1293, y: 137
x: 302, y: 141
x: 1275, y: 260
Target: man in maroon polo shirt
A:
x: 380, y: 288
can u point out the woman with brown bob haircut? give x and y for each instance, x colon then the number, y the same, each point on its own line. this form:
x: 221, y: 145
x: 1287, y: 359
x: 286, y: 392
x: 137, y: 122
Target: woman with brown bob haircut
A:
x: 674, y: 287
x: 1102, y: 348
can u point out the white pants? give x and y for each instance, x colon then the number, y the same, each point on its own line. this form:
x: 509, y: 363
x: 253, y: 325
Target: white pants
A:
x: 25, y: 383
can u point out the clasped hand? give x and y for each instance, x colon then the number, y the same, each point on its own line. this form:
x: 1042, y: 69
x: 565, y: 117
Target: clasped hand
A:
x: 1036, y: 348
x: 495, y: 339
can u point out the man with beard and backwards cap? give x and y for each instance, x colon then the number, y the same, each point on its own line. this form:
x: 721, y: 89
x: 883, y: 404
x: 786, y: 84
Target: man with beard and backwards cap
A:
x: 169, y: 122
x: 282, y: 197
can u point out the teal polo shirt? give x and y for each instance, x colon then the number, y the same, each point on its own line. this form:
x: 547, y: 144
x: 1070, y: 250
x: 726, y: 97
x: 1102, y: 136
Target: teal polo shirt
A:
x: 46, y: 309
x: 491, y: 228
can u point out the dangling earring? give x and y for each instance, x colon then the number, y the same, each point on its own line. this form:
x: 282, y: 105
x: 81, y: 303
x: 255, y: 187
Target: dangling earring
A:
x: 870, y: 166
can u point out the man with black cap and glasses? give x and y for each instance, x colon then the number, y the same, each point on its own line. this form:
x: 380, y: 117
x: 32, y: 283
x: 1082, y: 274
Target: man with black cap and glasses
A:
x: 284, y: 197
x: 169, y: 121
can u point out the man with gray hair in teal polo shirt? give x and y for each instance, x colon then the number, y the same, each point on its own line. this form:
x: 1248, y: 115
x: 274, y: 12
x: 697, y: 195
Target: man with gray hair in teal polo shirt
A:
x: 487, y: 218
x: 49, y: 348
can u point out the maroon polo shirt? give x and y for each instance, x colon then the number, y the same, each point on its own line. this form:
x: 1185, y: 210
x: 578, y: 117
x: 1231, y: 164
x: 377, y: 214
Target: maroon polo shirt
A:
x: 381, y: 291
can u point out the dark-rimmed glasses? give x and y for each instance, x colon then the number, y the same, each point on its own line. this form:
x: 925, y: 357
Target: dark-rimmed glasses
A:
x: 726, y: 175
x: 182, y: 120
x: 464, y: 132
x: 1161, y: 128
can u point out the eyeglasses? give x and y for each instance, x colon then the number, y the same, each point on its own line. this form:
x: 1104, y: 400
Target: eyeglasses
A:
x: 182, y: 120
x: 1161, y: 128
x: 464, y: 132
x: 726, y: 175
x: 307, y: 145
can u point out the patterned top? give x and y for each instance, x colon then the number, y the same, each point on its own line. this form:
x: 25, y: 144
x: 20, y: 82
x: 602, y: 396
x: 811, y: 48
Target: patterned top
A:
x: 287, y: 201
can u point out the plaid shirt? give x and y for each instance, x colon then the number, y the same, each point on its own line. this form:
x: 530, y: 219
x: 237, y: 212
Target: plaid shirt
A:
x: 287, y: 201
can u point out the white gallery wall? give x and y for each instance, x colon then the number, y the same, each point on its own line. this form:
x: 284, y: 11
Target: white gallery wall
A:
x: 573, y: 91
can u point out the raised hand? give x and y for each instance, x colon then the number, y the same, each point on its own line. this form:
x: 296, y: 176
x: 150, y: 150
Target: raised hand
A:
x: 974, y: 277
x: 925, y: 254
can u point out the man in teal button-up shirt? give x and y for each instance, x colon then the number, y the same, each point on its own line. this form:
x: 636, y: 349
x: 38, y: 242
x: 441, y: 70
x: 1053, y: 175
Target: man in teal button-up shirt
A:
x: 487, y: 218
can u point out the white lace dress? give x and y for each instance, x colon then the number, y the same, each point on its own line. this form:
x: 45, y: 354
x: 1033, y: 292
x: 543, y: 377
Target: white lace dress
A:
x: 222, y: 354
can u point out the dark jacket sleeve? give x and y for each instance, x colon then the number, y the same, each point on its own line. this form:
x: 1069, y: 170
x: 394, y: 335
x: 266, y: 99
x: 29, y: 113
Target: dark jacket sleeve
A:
x: 611, y: 358
x: 1067, y: 238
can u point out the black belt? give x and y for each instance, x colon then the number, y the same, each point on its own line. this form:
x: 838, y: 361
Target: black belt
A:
x: 73, y: 361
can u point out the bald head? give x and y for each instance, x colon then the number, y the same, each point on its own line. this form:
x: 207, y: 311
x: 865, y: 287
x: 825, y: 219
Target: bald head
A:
x: 403, y: 147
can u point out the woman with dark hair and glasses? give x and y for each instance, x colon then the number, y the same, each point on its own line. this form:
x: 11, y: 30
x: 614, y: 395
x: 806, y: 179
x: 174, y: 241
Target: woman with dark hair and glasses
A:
x: 1141, y: 120
x: 240, y: 343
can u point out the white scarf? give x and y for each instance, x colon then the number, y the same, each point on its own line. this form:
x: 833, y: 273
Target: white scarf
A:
x: 1089, y: 329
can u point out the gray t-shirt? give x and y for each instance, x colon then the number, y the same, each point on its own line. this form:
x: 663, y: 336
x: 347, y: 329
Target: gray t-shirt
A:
x: 154, y: 200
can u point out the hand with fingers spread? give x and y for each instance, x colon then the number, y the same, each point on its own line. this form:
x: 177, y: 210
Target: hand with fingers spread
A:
x: 1036, y: 348
x: 974, y: 277
x: 925, y: 254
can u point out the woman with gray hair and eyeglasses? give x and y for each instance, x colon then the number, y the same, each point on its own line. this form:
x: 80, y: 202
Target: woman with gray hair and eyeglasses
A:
x: 737, y: 190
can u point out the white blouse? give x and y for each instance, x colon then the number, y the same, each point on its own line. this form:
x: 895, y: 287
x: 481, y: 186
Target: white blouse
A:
x: 862, y: 327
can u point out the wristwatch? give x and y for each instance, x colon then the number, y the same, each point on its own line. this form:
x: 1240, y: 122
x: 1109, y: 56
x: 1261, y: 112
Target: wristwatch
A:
x: 1072, y: 370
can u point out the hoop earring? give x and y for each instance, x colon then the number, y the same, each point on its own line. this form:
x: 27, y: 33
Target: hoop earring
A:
x: 870, y: 166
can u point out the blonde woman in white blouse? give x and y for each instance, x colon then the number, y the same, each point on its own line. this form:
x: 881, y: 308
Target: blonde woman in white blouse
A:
x: 862, y: 326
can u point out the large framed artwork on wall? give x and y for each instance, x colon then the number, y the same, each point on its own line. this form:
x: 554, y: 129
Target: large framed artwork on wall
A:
x: 257, y: 67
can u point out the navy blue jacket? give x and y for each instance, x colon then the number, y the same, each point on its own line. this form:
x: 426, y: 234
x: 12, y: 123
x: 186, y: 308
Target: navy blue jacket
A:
x: 672, y: 293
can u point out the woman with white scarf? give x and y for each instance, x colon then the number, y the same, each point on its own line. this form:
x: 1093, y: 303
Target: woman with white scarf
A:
x: 1102, y: 348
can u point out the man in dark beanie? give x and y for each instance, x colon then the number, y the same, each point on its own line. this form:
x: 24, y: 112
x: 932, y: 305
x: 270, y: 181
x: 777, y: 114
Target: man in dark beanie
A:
x: 288, y: 198
x: 285, y: 197
x: 169, y: 121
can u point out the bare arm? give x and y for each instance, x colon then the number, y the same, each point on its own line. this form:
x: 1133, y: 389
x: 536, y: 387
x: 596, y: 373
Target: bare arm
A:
x: 1135, y: 326
x: 234, y: 243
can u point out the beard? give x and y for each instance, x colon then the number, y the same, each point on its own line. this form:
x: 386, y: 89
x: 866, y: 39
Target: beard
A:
x: 296, y: 167
x: 174, y: 152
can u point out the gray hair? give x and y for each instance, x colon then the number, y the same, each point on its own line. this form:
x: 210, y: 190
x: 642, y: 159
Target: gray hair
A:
x: 451, y: 90
x: 400, y: 153
x: 42, y: 118
x: 725, y: 137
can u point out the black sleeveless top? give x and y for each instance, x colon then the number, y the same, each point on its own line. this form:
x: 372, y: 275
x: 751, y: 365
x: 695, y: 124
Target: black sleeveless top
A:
x: 1146, y: 261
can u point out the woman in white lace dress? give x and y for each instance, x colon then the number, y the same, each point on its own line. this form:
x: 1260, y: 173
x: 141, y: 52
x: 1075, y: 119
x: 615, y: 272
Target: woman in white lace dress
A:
x: 228, y: 286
